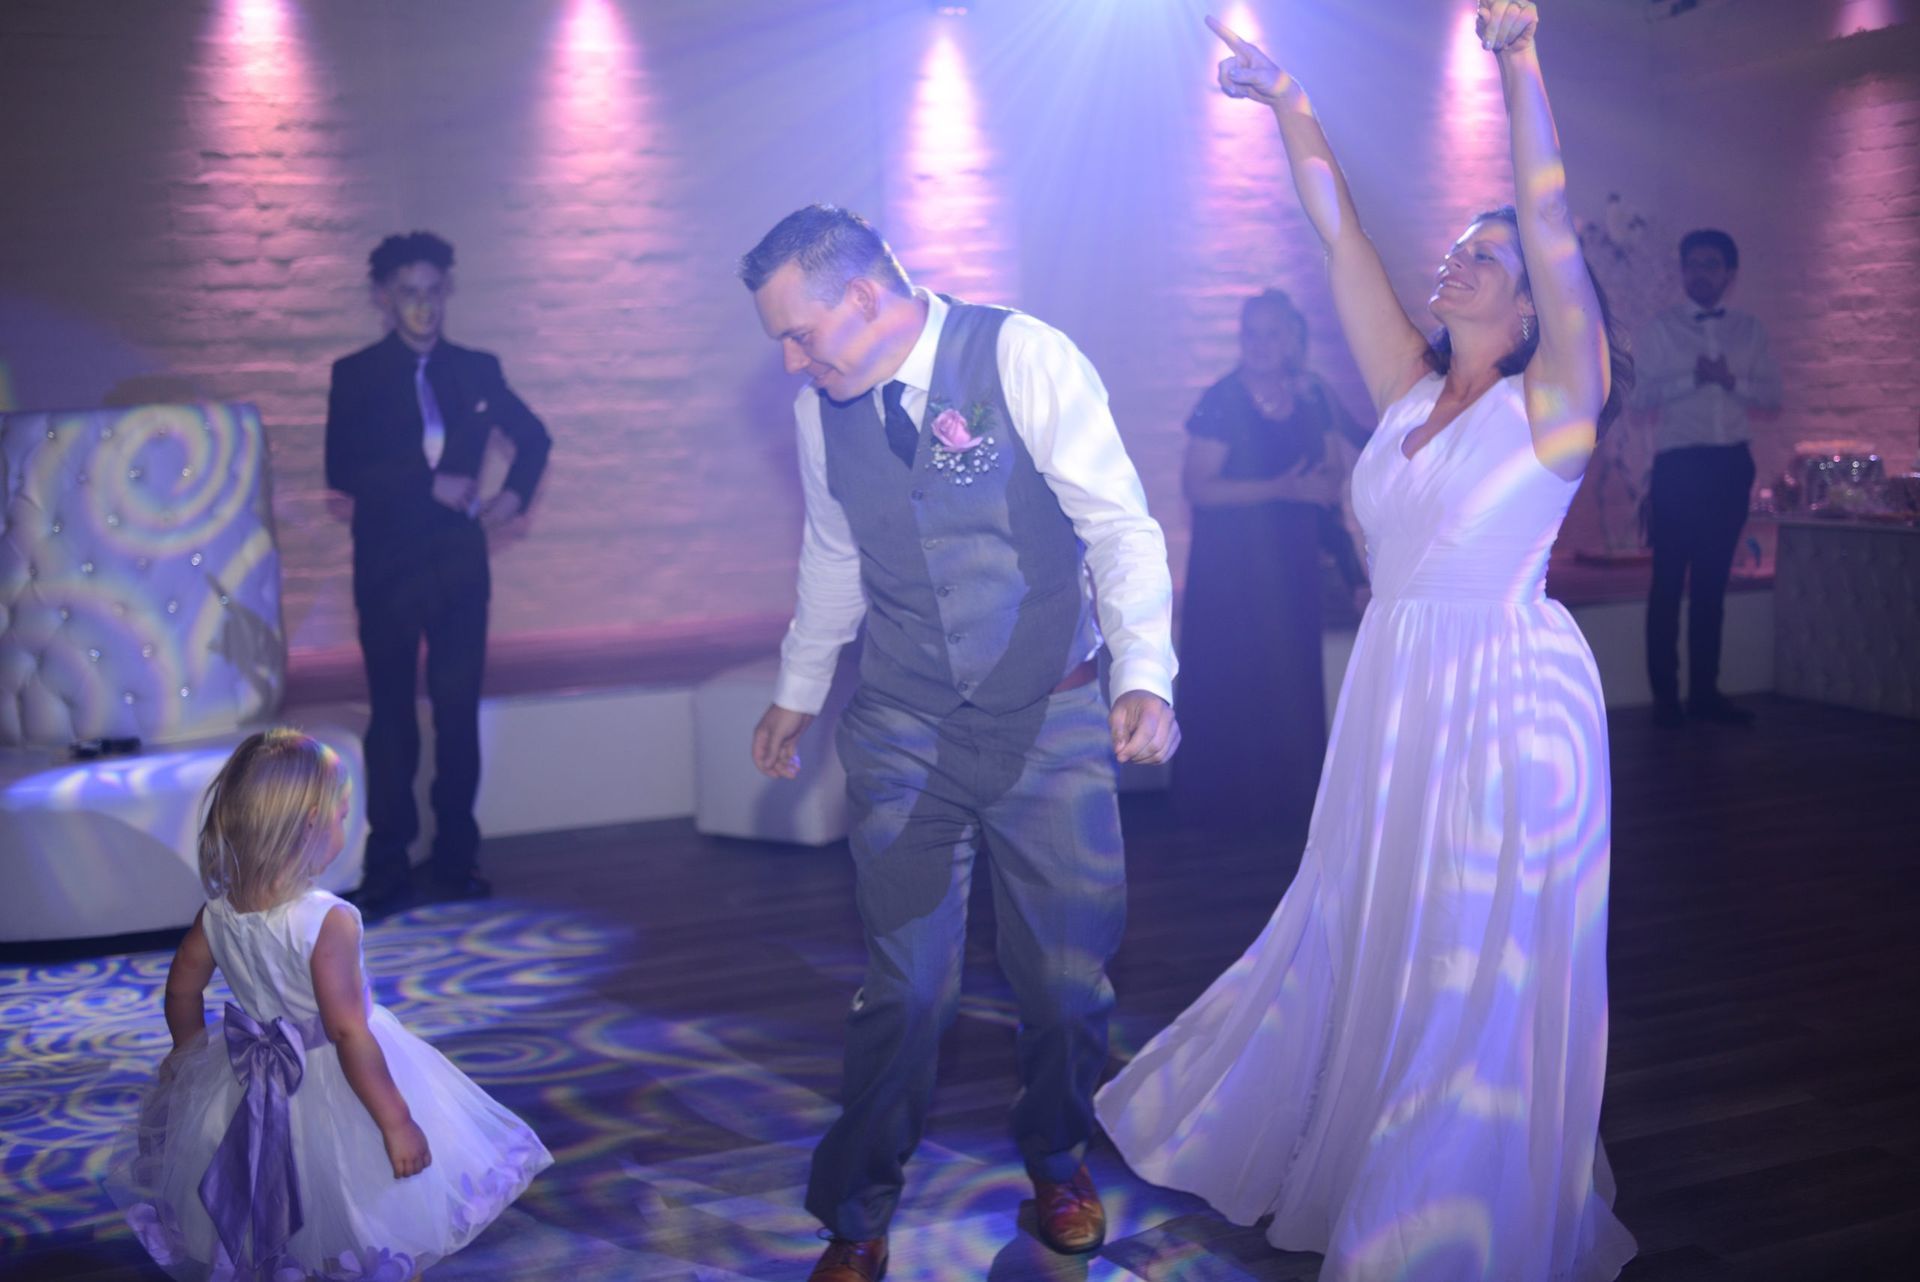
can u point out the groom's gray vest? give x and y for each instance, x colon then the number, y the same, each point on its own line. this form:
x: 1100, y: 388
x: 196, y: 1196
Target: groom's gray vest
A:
x: 973, y: 589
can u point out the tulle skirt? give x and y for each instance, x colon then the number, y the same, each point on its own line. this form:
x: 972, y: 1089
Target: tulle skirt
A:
x: 359, y: 1222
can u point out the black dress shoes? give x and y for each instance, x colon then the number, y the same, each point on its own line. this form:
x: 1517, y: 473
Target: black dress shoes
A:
x: 380, y: 898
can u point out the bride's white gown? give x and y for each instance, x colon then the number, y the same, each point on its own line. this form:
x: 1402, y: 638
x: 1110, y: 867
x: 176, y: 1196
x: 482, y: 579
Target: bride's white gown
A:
x: 1405, y: 1069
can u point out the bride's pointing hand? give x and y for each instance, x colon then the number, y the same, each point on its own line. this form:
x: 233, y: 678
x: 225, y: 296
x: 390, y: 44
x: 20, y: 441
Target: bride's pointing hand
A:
x: 1249, y: 73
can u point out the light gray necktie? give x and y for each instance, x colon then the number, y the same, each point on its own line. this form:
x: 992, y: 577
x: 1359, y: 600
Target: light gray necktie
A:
x: 435, y: 439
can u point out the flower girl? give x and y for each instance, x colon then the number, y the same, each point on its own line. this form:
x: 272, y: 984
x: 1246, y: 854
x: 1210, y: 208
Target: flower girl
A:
x: 305, y: 1134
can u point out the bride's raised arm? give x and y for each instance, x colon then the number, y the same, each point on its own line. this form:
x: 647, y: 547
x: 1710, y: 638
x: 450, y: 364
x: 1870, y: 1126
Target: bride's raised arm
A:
x: 1386, y: 344
x: 1568, y: 379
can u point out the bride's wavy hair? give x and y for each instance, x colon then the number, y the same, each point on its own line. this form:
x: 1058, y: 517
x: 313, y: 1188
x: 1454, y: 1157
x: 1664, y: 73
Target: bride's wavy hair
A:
x: 1440, y: 346
x: 264, y: 815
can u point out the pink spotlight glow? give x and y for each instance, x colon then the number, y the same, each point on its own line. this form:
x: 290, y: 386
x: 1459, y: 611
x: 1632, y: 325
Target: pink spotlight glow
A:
x: 265, y: 74
x: 602, y: 174
x: 1241, y: 18
x: 1868, y: 127
x: 590, y: 54
x: 1245, y: 182
x: 592, y: 27
x: 259, y: 21
x: 1857, y: 17
x: 1475, y: 167
x: 1243, y: 153
x: 950, y: 224
x: 264, y: 138
x: 1467, y: 61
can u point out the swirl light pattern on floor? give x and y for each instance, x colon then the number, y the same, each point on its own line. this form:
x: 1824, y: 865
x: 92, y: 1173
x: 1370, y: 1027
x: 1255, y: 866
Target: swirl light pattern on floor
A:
x: 681, y: 1140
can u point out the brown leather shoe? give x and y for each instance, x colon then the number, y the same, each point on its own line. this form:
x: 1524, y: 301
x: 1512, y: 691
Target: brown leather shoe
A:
x: 849, y: 1261
x: 1069, y: 1214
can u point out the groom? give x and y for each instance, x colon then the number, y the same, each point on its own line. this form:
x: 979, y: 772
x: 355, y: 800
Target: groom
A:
x: 962, y: 473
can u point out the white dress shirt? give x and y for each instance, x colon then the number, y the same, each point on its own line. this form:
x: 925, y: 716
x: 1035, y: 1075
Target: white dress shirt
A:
x: 1059, y: 409
x: 1694, y: 413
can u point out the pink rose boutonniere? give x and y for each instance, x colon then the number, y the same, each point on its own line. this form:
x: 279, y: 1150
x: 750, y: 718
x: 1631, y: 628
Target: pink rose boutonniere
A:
x: 951, y: 430
x: 964, y: 442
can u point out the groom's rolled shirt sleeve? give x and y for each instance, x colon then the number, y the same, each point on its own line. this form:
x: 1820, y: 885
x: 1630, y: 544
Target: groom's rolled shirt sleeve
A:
x: 1059, y: 407
x: 831, y: 600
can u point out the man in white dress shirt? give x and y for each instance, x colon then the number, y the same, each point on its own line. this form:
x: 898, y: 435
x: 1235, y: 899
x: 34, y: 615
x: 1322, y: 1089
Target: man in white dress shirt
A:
x: 1704, y: 372
x: 968, y: 499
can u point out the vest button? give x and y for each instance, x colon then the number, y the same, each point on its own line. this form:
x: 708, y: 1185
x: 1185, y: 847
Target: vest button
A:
x: 927, y: 543
x: 956, y: 637
x: 946, y: 589
x: 918, y: 495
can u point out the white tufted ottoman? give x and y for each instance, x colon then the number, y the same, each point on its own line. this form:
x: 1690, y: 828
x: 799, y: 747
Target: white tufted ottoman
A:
x: 139, y: 598
x: 731, y: 797
x: 109, y: 847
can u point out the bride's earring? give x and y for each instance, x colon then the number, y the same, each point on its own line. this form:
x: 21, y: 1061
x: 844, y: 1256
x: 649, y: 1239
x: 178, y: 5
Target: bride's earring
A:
x: 1526, y: 329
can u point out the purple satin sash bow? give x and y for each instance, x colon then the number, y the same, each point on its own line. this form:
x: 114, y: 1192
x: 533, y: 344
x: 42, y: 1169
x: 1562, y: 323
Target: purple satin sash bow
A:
x: 251, y: 1183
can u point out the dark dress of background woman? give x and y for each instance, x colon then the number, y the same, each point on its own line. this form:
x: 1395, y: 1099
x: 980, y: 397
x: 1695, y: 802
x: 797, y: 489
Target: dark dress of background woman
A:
x: 1264, y: 473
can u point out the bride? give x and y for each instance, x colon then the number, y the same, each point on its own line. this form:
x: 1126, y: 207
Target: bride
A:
x: 1404, y: 1071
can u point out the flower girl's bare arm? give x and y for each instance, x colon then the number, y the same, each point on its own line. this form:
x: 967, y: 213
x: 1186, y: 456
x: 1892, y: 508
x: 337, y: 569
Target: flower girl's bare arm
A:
x: 340, y: 989
x: 187, y: 980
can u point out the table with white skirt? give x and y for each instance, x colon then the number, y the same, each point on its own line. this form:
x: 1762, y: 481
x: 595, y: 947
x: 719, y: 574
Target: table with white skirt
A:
x: 1846, y: 613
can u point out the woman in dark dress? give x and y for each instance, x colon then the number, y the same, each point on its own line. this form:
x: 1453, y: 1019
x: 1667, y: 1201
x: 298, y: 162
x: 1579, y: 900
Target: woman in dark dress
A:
x: 1264, y: 471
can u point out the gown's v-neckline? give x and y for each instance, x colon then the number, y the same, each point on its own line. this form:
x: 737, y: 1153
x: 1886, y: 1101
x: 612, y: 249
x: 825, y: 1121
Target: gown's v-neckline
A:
x: 1400, y: 446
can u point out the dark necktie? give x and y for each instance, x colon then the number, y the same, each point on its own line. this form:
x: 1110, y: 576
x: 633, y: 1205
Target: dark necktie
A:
x: 1715, y: 314
x: 434, y: 436
x: 902, y: 436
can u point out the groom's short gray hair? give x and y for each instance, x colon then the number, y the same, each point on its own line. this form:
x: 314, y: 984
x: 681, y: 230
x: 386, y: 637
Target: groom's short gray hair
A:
x: 831, y: 246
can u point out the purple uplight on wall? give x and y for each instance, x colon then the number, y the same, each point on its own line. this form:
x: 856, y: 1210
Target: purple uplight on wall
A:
x: 949, y: 222
x: 1244, y: 182
x: 589, y: 101
x: 1244, y: 160
x: 265, y: 74
x: 594, y: 199
x: 262, y: 136
x: 267, y: 141
x: 599, y: 167
x: 260, y: 26
x: 1870, y: 134
x: 1857, y: 17
x: 1472, y: 122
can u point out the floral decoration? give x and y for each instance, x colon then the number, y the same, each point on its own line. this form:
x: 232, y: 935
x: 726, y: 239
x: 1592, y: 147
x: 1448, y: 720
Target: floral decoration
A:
x: 964, y: 442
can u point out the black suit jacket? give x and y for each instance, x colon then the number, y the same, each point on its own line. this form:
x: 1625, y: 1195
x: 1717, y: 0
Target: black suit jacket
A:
x: 375, y: 434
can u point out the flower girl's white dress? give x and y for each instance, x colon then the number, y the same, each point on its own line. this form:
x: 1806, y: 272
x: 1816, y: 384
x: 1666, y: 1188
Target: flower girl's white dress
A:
x: 1404, y: 1071
x: 300, y: 1138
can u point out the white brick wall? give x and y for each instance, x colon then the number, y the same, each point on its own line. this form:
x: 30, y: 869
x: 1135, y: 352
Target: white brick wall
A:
x: 192, y: 189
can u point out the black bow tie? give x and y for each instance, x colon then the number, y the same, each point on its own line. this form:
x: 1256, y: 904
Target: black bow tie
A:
x: 1715, y: 314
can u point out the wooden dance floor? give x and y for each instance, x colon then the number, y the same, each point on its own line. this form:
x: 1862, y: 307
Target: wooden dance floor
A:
x: 666, y: 1011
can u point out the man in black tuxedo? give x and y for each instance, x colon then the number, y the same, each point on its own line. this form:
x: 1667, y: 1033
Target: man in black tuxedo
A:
x: 407, y: 426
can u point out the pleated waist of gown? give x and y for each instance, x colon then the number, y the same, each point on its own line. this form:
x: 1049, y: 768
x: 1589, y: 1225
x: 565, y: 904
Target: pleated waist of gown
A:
x: 1465, y: 576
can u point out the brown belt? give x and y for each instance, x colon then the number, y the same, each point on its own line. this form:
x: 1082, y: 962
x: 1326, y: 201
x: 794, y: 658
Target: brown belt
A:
x: 1082, y: 675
